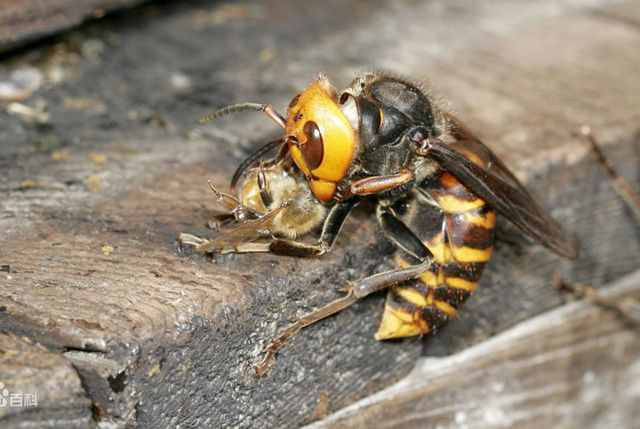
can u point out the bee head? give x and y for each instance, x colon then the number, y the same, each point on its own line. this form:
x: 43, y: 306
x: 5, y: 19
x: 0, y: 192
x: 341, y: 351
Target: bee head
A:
x: 322, y: 141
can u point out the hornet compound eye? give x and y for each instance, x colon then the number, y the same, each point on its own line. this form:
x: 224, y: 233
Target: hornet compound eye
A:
x: 313, y: 149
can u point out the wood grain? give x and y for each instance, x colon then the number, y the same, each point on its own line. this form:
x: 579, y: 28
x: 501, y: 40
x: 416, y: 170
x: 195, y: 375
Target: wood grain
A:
x: 162, y: 338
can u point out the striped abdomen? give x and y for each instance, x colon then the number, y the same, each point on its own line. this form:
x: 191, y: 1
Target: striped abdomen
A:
x: 458, y: 229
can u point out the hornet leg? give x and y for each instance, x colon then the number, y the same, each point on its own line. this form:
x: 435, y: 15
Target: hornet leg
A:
x: 377, y: 184
x: 402, y: 236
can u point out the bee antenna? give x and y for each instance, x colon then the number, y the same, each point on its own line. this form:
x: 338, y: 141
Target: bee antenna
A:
x: 243, y: 107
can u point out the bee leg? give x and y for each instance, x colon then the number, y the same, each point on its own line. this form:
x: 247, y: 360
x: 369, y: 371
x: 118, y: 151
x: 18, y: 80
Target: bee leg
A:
x: 237, y: 209
x: 404, y: 238
x: 330, y: 231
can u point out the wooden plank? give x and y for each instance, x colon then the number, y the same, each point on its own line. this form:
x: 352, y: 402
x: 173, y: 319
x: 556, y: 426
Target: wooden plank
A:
x: 23, y: 21
x: 39, y: 388
x: 93, y: 200
x: 577, y: 366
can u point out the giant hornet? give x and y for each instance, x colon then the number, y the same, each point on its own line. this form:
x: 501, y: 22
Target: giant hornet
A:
x: 436, y: 187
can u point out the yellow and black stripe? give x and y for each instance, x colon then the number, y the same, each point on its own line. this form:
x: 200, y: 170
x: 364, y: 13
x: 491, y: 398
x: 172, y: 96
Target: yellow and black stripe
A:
x: 459, y: 231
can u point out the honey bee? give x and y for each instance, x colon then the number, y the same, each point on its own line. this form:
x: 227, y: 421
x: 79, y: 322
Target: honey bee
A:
x: 437, y: 191
x: 272, y: 201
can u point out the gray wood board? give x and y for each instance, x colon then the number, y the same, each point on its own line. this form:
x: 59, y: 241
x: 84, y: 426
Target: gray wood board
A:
x: 577, y: 366
x: 165, y: 339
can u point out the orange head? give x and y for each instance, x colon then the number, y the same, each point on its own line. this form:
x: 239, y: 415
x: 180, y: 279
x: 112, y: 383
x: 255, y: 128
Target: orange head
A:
x: 321, y: 140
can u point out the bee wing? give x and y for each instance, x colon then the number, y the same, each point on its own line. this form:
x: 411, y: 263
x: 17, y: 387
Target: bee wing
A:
x: 243, y: 232
x: 501, y: 189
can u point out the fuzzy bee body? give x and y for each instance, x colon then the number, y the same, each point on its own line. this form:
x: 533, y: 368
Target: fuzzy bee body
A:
x: 302, y: 214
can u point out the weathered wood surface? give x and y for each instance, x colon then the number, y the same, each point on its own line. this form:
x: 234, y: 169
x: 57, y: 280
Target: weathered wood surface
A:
x: 576, y: 366
x: 93, y: 199
x: 39, y: 388
x: 23, y: 21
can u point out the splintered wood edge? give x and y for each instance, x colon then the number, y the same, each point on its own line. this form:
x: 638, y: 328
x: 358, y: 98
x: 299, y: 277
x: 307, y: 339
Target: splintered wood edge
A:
x: 568, y: 329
